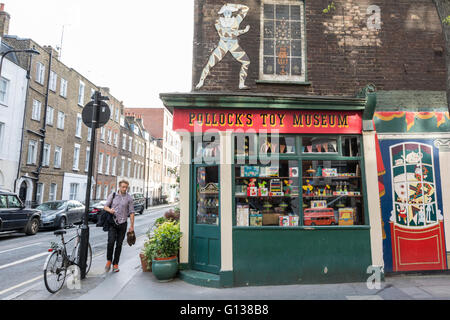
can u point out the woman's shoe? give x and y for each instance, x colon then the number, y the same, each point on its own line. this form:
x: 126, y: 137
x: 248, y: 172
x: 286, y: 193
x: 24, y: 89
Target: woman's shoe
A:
x: 116, y: 268
x: 108, y: 266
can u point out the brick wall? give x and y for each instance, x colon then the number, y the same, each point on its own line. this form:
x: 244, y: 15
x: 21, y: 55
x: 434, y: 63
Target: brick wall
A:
x: 343, y: 55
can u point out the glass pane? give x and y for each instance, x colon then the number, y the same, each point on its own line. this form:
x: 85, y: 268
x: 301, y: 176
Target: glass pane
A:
x: 350, y: 146
x: 296, y: 66
x: 269, y: 29
x: 245, y: 145
x: 2, y: 202
x: 296, y: 48
x: 208, y: 195
x: 268, y: 11
x: 13, y: 202
x: 276, y: 144
x: 268, y: 48
x: 267, y: 195
x: 269, y: 65
x: 295, y: 12
x: 318, y: 144
x: 332, y: 193
x: 282, y: 12
x: 207, y: 146
x: 296, y: 30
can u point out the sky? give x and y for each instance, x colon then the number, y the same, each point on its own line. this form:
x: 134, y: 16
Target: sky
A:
x: 137, y: 48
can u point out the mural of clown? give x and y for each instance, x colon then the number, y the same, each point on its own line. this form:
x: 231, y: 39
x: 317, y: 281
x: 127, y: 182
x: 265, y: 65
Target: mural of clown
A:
x: 228, y: 29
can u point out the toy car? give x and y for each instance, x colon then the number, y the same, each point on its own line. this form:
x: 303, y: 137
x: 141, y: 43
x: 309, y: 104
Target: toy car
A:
x: 319, y: 217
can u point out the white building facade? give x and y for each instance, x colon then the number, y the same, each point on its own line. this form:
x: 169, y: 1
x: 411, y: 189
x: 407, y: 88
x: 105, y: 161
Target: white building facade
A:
x: 13, y: 88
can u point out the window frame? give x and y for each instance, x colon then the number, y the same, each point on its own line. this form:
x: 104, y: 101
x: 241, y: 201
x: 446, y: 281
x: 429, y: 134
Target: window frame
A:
x: 274, y: 78
x: 300, y: 157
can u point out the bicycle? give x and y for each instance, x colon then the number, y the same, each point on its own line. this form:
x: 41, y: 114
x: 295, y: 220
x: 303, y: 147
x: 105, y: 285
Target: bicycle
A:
x: 59, y: 262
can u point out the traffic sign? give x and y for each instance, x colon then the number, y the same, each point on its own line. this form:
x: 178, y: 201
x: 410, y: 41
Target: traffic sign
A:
x: 103, y: 115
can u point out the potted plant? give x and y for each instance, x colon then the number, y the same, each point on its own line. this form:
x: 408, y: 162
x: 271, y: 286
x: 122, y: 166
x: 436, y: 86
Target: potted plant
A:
x: 166, y: 245
x: 147, y: 255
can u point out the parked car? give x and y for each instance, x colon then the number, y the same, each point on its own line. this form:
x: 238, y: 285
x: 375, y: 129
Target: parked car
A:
x: 59, y: 214
x: 96, y: 209
x: 139, y: 202
x: 15, y: 217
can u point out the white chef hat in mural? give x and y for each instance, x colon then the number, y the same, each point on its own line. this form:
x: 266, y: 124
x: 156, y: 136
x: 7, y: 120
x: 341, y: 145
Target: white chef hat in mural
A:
x: 228, y: 7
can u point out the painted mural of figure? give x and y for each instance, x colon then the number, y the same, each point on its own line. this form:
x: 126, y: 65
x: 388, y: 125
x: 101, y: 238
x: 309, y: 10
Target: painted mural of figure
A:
x: 228, y: 30
x: 429, y: 211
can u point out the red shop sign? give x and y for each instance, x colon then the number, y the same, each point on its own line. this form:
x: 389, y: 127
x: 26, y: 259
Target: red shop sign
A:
x: 283, y: 121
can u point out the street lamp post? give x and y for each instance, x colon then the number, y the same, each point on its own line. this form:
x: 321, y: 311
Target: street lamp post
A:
x: 4, y: 54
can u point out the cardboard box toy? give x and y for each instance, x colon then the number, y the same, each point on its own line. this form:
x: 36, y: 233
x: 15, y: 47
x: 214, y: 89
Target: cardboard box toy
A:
x: 271, y: 219
x: 249, y: 171
x: 252, y: 191
x: 319, y: 204
x: 293, y: 221
x: 256, y: 220
x: 272, y: 171
x: 263, y: 192
x: 346, y: 216
x: 329, y: 172
x: 284, y: 221
x: 242, y: 215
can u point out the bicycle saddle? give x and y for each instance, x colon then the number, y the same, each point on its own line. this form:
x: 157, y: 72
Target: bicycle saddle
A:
x: 59, y: 232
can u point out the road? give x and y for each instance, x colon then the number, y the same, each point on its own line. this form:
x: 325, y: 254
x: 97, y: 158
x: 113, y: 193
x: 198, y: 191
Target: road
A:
x: 22, y: 257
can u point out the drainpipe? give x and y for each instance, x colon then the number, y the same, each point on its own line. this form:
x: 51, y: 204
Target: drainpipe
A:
x: 43, y: 130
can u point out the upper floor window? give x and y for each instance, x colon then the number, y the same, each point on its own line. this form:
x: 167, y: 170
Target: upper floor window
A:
x: 53, y: 79
x: 81, y: 93
x: 282, y: 53
x: 63, y: 88
x: 40, y: 73
x: 3, y: 90
x: 36, y: 111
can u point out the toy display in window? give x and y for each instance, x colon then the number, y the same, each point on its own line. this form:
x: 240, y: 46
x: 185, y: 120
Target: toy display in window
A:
x: 275, y: 146
x: 209, y: 149
x: 320, y: 145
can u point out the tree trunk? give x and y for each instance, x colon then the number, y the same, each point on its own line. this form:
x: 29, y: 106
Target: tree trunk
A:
x: 443, y: 9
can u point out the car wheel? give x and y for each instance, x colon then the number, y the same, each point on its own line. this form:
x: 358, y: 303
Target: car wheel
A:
x: 63, y: 223
x: 32, y: 227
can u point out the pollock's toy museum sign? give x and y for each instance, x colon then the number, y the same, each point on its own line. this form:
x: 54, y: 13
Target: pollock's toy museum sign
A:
x: 283, y: 121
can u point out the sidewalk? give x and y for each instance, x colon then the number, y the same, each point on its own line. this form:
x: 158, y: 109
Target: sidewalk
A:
x: 133, y: 284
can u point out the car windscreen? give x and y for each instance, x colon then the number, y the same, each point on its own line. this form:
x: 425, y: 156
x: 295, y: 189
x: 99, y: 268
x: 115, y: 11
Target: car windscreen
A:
x: 51, y: 206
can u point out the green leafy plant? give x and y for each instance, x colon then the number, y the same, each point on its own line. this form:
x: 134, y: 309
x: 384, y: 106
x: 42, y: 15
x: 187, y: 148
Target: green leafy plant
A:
x: 447, y: 20
x: 329, y: 8
x: 149, y: 250
x: 167, y: 240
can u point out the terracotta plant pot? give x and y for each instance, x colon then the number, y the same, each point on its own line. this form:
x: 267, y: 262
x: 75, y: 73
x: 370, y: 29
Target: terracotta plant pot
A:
x: 144, y: 263
x: 165, y: 269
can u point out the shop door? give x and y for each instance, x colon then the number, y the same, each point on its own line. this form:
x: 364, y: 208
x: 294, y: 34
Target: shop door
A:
x: 205, y: 253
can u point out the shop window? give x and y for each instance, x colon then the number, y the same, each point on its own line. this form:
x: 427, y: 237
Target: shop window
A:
x: 350, y: 146
x: 319, y: 184
x: 277, y: 144
x: 332, y: 193
x: 282, y: 54
x: 319, y: 144
x: 207, y: 148
x: 267, y: 195
x: 207, y: 195
x: 245, y: 145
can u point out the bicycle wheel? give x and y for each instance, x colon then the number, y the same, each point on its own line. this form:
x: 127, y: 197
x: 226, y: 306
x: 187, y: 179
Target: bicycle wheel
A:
x: 54, y: 272
x: 89, y: 257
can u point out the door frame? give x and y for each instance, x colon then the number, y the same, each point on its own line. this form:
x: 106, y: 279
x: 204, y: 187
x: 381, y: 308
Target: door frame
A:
x: 193, y: 215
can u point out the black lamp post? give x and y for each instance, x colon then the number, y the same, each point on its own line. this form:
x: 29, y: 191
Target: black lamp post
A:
x: 4, y: 54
